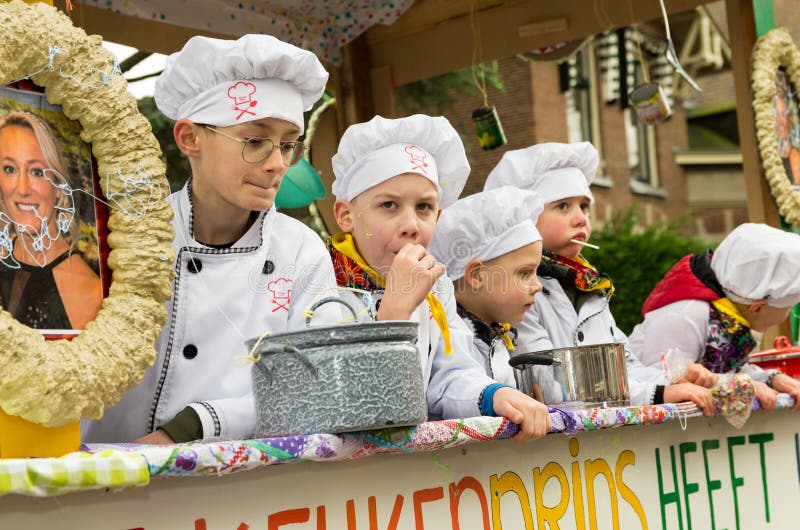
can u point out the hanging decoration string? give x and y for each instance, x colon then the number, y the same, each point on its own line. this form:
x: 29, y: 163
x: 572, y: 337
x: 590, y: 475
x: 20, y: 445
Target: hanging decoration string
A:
x: 637, y: 36
x: 477, y: 51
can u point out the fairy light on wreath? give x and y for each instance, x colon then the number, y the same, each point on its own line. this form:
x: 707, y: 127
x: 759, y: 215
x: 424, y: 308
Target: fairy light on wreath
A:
x: 487, y: 123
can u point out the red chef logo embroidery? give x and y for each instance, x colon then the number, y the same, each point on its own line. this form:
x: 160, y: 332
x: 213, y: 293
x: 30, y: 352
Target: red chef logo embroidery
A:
x: 416, y: 157
x: 281, y: 290
x: 242, y: 95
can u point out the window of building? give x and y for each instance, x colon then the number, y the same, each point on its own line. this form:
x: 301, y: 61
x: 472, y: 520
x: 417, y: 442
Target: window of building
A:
x: 583, y: 103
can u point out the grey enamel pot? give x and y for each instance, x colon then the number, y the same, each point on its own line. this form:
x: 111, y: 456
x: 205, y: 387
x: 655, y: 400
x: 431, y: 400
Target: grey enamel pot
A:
x: 578, y: 377
x: 331, y: 379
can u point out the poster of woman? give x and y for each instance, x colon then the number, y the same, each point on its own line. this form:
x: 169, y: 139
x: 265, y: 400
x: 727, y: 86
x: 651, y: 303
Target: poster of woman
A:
x: 787, y: 126
x: 49, y: 258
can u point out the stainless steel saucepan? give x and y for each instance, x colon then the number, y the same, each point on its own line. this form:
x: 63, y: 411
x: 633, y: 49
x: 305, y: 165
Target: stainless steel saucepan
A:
x: 578, y: 377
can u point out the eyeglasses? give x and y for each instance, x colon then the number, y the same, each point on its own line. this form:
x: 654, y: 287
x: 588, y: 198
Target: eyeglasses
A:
x: 257, y: 150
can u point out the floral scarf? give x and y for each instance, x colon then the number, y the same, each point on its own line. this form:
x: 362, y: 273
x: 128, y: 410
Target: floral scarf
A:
x: 729, y: 341
x: 488, y: 332
x: 587, y: 278
x: 352, y: 271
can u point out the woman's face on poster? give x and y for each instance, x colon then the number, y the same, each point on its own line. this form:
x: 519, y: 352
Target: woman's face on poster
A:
x: 29, y: 195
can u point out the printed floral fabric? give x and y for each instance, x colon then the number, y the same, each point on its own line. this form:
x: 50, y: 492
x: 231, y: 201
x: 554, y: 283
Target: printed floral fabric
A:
x: 728, y: 343
x: 587, y: 278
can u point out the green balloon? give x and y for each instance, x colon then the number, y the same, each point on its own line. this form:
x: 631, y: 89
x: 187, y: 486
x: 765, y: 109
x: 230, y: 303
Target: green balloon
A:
x: 301, y: 186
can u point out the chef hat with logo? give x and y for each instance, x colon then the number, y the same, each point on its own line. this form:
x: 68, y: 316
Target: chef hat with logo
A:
x: 226, y: 82
x: 377, y: 150
x: 485, y: 226
x: 557, y: 171
x: 758, y: 262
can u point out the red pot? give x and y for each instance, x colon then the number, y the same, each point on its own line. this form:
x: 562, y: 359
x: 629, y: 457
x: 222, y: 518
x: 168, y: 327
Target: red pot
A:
x: 783, y: 357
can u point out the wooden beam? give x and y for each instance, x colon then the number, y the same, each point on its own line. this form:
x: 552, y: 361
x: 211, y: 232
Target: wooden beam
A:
x: 435, y: 37
x: 140, y: 33
x: 741, y: 23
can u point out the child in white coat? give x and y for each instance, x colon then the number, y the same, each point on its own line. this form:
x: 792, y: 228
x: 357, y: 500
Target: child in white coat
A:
x: 492, y: 261
x: 392, y: 178
x: 717, y: 298
x: 573, y: 308
x: 241, y: 267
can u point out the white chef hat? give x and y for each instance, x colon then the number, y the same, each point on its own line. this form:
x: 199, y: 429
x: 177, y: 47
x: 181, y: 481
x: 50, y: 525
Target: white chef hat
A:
x: 555, y: 170
x: 377, y: 150
x: 485, y: 226
x: 225, y: 82
x: 759, y: 262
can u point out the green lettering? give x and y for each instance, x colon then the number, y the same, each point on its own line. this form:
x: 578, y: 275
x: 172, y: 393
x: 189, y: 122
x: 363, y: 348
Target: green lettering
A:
x: 736, y: 482
x: 668, y: 498
x: 688, y: 487
x: 761, y: 439
x: 711, y: 485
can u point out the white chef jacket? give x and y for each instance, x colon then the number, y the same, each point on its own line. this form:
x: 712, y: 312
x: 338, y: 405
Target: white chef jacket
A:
x: 263, y: 283
x: 682, y: 325
x: 552, y: 322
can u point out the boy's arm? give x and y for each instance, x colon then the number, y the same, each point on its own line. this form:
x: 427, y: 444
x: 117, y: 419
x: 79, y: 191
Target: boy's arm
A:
x: 680, y: 325
x: 456, y: 380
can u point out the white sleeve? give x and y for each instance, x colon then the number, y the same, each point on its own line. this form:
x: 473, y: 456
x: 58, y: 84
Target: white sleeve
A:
x: 681, y: 325
x: 532, y: 336
x: 456, y: 380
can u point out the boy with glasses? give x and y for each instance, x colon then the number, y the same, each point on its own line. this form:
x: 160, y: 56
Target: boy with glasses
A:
x: 242, y: 269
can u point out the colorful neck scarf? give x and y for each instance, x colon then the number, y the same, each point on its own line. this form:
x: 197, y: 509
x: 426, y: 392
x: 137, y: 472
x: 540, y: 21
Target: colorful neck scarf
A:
x: 587, y: 278
x: 352, y: 271
x: 488, y: 332
x: 729, y: 341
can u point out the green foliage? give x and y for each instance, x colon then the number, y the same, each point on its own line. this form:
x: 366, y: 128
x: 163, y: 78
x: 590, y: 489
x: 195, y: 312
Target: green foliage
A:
x: 178, y: 169
x: 437, y: 94
x: 636, y: 259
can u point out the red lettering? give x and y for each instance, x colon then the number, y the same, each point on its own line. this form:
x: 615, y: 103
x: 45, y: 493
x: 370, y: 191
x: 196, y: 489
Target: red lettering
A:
x: 456, y: 490
x: 321, y: 524
x: 426, y: 495
x: 278, y: 519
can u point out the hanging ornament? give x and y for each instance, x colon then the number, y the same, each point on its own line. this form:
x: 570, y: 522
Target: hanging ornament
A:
x: 488, y: 128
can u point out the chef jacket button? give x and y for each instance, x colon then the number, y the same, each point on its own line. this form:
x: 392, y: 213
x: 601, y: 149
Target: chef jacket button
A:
x: 545, y: 291
x: 190, y: 351
x: 194, y: 265
x: 580, y: 336
x: 268, y: 267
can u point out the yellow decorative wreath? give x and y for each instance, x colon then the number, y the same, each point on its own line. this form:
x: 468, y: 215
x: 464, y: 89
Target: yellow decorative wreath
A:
x: 56, y: 382
x: 773, y: 51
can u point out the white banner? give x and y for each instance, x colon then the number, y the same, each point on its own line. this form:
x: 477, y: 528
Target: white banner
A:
x: 709, y: 476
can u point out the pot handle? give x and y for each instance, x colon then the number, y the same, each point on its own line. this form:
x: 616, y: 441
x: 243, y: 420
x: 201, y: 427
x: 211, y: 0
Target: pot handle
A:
x: 782, y: 342
x: 524, y: 359
x: 312, y: 309
x: 272, y: 348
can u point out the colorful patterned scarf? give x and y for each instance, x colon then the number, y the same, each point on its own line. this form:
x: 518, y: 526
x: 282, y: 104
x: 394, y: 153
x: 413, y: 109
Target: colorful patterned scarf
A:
x: 488, y: 332
x: 352, y: 271
x: 587, y: 278
x: 729, y: 341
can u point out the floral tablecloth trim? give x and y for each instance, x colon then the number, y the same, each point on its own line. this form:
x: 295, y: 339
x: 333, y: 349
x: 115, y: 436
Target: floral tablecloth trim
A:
x: 225, y: 457
x: 44, y: 477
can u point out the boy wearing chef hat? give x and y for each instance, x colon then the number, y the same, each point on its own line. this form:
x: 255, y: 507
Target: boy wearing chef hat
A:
x: 492, y: 261
x: 573, y: 309
x: 717, y: 298
x: 242, y: 268
x: 392, y: 178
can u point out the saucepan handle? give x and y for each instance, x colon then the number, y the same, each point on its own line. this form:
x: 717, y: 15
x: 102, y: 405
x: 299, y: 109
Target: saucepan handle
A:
x: 524, y: 359
x: 782, y: 342
x: 312, y: 309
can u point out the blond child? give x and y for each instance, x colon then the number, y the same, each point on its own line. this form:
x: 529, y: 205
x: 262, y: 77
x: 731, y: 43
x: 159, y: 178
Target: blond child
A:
x: 242, y: 268
x: 717, y: 298
x: 573, y: 309
x: 492, y: 261
x: 392, y: 178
